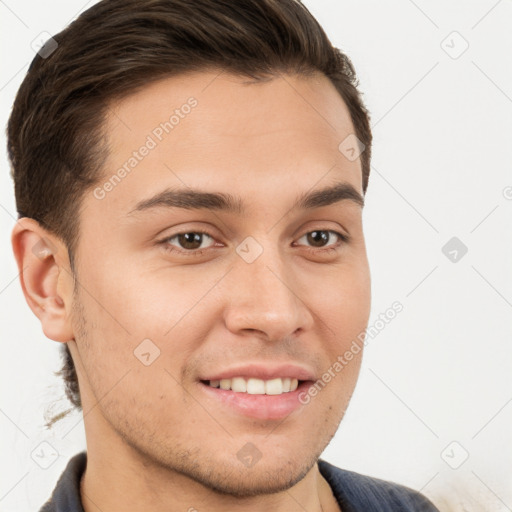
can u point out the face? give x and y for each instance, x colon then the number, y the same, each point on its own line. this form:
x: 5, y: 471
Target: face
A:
x: 178, y: 290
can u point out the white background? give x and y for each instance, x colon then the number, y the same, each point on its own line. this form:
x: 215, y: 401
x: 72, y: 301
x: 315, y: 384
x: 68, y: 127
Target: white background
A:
x: 441, y: 371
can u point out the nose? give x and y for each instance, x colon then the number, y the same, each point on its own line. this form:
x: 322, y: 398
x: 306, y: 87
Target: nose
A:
x: 265, y: 296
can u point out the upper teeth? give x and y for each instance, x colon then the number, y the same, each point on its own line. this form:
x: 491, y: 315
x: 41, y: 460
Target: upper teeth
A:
x: 257, y: 386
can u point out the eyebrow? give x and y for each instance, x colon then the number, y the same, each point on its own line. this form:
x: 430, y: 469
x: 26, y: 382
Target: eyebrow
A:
x: 194, y: 199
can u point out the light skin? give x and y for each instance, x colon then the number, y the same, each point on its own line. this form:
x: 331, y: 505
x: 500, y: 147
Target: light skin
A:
x: 155, y: 440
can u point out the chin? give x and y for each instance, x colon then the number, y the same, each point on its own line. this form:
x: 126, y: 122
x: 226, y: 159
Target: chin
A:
x: 245, y: 482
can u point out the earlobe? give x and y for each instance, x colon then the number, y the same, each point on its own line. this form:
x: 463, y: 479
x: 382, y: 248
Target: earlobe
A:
x: 45, y: 277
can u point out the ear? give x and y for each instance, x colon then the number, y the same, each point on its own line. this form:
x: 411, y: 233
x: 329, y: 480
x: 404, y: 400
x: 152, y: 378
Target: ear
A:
x: 45, y: 277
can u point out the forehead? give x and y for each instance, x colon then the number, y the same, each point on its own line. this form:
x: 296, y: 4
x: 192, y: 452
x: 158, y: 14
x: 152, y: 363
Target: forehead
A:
x: 214, y: 130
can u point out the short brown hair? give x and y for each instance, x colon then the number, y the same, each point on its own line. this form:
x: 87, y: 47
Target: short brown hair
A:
x: 56, y: 143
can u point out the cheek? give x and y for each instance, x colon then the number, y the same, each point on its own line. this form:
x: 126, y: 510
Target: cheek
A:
x: 346, y: 310
x: 151, y: 298
x: 343, y: 303
x: 141, y: 326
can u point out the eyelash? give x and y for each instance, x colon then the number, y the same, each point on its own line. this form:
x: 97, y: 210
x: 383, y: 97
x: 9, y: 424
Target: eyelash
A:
x: 344, y: 239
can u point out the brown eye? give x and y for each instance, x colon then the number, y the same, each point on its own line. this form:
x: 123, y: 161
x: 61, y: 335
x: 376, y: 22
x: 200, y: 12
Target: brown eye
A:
x: 189, y: 241
x: 320, y: 238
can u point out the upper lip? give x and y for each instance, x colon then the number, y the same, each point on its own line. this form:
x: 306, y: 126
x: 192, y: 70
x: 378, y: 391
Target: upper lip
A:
x: 263, y: 371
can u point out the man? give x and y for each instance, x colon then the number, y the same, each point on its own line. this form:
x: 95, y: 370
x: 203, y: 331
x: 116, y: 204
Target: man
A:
x: 190, y: 178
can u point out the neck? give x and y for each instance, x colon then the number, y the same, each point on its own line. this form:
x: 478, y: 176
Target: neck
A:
x: 118, y: 477
x: 108, y: 489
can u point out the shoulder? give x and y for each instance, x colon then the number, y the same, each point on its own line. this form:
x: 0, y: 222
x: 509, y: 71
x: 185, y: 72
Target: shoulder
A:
x: 355, y: 492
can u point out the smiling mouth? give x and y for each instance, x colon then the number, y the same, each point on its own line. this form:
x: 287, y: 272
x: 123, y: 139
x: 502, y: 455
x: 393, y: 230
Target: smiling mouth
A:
x: 254, y: 386
x: 267, y: 400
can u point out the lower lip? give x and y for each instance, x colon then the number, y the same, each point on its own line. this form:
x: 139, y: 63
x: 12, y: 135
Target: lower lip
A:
x: 263, y: 407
